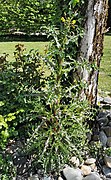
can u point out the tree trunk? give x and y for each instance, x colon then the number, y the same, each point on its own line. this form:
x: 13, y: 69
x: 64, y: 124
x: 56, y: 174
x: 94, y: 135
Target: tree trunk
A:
x: 92, y: 45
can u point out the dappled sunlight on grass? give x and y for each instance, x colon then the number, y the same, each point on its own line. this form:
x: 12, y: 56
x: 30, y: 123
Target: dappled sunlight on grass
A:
x: 9, y: 47
x: 105, y: 68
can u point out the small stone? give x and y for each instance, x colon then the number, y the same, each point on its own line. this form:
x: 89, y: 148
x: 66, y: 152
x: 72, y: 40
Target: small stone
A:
x: 90, y: 161
x: 107, y: 130
x: 86, y: 170
x: 103, y: 121
x: 34, y: 177
x: 109, y: 142
x: 75, y: 161
x: 92, y: 176
x: 107, y: 100
x: 20, y: 177
x: 47, y: 178
x: 107, y: 160
x: 107, y: 171
x: 103, y: 138
x: 101, y: 114
x: 60, y: 178
x: 93, y: 167
x: 72, y: 174
x: 109, y: 123
x: 109, y: 115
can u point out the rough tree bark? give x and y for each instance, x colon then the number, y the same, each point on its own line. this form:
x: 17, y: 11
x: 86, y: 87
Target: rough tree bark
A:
x: 92, y: 45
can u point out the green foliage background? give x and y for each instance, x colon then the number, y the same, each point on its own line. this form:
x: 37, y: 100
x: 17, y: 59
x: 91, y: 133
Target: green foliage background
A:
x: 34, y: 16
x: 28, y: 16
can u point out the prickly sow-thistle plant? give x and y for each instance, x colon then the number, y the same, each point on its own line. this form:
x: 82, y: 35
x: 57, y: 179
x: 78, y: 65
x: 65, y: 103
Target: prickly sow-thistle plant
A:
x: 61, y: 114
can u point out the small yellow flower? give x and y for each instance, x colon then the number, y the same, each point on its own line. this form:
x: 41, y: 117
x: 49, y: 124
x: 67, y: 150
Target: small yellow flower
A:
x: 62, y: 19
x: 99, y: 103
x: 74, y: 22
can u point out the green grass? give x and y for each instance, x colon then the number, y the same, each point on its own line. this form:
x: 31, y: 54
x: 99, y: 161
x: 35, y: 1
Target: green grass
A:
x: 105, y: 67
x: 9, y: 47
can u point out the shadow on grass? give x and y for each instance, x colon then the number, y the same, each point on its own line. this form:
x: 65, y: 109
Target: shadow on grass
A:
x: 22, y: 37
x: 108, y: 33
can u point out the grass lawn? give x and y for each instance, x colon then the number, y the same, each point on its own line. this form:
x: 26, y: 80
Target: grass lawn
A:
x: 9, y: 47
x: 105, y: 68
